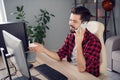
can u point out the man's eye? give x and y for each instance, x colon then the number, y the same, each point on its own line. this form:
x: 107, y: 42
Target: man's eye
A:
x: 75, y: 21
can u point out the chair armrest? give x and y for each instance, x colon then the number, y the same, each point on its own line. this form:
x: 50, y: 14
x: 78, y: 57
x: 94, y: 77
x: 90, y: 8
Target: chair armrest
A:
x: 111, y: 44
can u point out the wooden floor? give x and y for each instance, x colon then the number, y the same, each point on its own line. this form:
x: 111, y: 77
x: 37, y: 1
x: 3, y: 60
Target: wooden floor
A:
x: 3, y: 72
x: 1, y: 65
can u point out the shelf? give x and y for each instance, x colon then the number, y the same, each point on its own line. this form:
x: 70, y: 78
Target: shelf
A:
x: 103, y: 17
x: 86, y: 3
x: 96, y: 4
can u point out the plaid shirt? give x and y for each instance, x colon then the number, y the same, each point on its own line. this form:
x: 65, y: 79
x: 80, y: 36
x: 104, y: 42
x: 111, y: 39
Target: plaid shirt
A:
x: 91, y: 49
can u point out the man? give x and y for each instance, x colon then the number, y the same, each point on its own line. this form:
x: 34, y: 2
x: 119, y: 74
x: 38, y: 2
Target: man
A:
x: 80, y: 47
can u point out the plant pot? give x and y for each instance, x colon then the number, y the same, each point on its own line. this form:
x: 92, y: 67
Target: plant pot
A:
x: 31, y: 56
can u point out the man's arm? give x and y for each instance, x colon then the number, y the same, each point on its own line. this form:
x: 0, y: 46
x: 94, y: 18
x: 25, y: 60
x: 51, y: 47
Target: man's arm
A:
x: 41, y: 49
x: 52, y: 54
x: 59, y: 55
x: 80, y: 59
x: 81, y: 63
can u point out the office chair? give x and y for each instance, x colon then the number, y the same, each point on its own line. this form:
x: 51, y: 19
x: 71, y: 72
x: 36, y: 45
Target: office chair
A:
x: 97, y: 28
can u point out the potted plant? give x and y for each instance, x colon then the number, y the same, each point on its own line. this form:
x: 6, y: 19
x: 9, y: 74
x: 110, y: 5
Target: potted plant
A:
x: 35, y: 33
x: 39, y: 30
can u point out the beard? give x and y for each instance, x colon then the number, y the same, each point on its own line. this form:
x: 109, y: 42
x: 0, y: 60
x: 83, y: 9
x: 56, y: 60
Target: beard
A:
x: 72, y: 29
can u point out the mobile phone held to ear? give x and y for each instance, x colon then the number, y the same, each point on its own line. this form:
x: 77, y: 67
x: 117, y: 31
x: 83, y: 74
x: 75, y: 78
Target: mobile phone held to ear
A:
x: 84, y: 25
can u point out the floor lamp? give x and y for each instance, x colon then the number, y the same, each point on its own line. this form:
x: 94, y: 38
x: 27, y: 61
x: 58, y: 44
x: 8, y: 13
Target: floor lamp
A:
x: 114, y: 23
x: 108, y: 5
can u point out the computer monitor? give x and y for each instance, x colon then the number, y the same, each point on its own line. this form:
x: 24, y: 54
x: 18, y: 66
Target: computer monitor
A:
x: 18, y: 29
x: 14, y: 45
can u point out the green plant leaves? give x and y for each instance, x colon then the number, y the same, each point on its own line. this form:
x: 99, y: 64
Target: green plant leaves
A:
x: 39, y: 31
x: 19, y: 9
x: 35, y: 33
x: 20, y: 14
x: 52, y: 15
x: 17, y: 17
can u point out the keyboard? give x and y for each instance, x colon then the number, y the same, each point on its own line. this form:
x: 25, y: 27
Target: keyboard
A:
x: 50, y: 73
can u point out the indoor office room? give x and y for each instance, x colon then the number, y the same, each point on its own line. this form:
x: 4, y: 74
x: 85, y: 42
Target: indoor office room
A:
x: 54, y: 25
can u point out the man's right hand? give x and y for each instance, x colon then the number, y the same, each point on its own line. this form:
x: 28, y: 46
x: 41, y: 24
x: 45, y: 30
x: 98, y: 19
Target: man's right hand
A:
x: 39, y: 48
x: 36, y: 47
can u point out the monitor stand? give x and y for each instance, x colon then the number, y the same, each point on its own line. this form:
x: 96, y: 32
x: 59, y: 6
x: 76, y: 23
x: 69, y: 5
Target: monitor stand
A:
x: 30, y: 66
x: 23, y: 78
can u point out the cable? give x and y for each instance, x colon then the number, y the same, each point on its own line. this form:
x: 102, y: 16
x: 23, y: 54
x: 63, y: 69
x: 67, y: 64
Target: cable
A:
x: 13, y: 74
x: 2, y: 69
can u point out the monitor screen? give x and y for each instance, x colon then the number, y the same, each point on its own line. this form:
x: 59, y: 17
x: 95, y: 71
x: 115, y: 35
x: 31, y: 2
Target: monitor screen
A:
x: 14, y: 46
x: 18, y: 30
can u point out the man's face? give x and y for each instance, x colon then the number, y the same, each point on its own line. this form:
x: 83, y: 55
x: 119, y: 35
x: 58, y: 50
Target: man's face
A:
x: 74, y: 22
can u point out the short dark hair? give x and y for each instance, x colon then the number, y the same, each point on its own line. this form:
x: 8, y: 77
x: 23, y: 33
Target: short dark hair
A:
x: 83, y: 12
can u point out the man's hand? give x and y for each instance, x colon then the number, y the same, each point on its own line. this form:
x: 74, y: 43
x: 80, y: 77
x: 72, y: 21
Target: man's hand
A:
x: 36, y: 47
x: 79, y: 35
x: 39, y: 48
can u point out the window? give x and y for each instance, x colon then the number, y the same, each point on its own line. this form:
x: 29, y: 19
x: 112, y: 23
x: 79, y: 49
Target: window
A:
x: 2, y: 12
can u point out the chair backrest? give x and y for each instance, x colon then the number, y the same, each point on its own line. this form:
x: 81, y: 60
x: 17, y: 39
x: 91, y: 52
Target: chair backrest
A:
x: 97, y: 28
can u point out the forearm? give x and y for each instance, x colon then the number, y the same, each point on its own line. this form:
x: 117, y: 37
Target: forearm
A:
x: 52, y: 54
x: 81, y: 63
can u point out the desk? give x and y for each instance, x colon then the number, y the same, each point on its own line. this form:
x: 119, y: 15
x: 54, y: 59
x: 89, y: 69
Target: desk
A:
x: 64, y: 67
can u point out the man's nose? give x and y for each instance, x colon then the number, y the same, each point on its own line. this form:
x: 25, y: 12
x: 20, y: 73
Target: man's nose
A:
x: 71, y: 23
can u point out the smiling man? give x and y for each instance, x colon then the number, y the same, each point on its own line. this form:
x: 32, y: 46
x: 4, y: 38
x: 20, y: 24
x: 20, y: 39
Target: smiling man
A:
x: 80, y: 47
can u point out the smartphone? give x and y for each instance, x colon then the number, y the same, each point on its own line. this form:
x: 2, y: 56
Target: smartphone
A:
x: 83, y: 26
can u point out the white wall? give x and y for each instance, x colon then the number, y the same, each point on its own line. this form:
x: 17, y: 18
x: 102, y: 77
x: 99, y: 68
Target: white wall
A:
x: 58, y: 26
